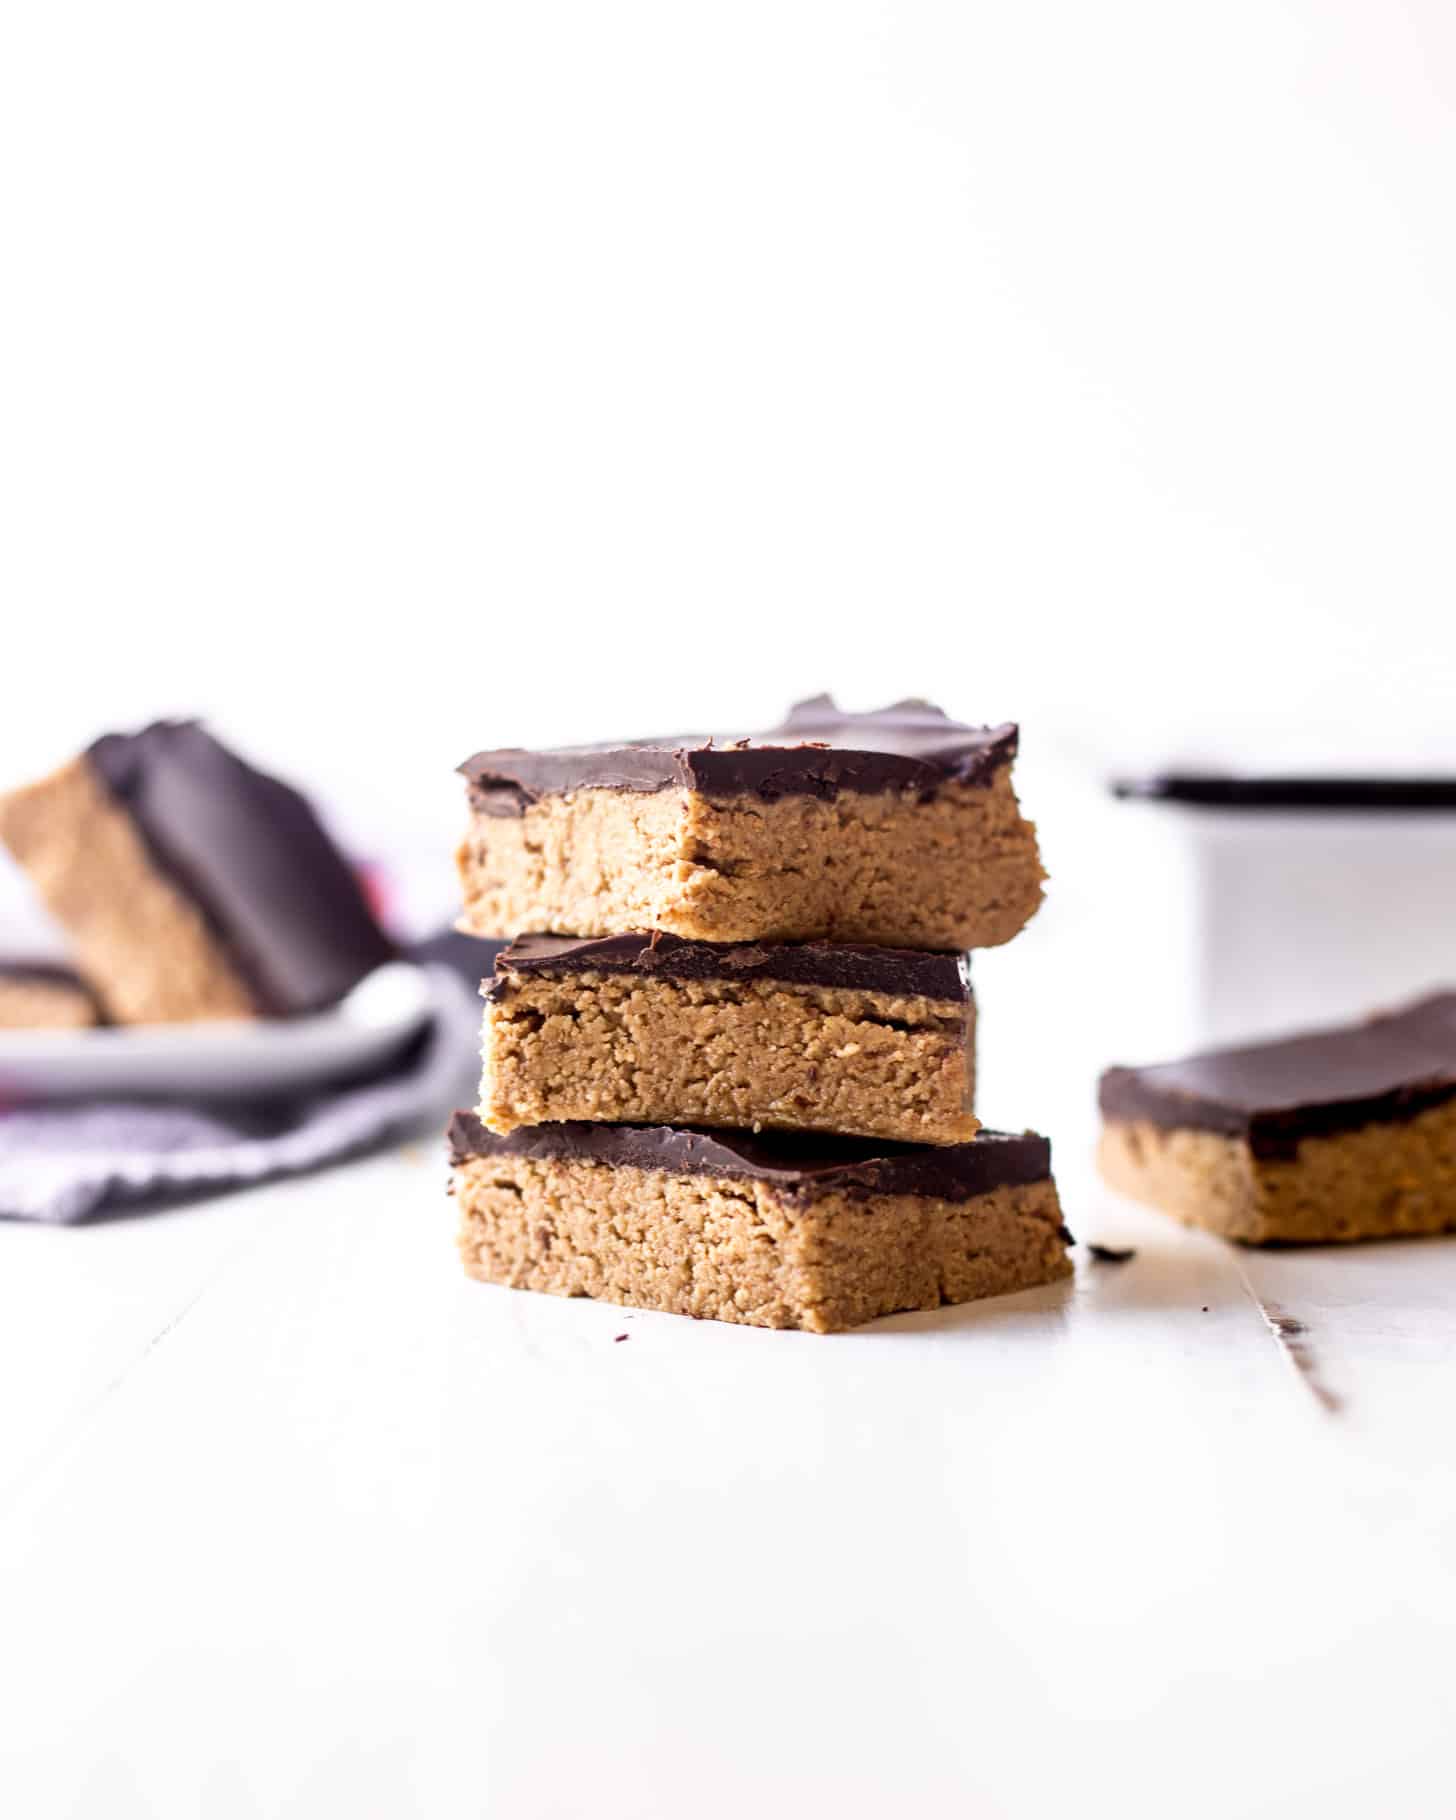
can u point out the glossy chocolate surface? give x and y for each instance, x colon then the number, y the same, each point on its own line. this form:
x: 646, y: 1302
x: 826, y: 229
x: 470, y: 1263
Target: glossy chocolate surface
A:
x: 249, y: 851
x: 1273, y: 1094
x: 898, y: 972
x: 797, y: 1164
x: 818, y: 751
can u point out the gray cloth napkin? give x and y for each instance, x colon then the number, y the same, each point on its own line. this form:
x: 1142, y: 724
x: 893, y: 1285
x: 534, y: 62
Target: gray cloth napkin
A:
x: 63, y: 1163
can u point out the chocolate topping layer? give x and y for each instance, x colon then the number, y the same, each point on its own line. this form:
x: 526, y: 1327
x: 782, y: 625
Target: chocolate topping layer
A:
x: 43, y: 973
x: 252, y: 855
x: 818, y: 751
x: 21, y: 970
x: 1211, y: 791
x: 797, y: 1164
x: 903, y: 972
x: 1274, y: 1094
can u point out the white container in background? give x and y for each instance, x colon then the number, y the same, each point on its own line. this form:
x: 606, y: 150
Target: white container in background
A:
x: 1310, y: 901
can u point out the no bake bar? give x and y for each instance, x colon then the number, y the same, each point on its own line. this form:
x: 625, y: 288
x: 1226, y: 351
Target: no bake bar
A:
x: 812, y: 1233
x: 899, y: 828
x: 1348, y: 1133
x: 39, y: 995
x: 873, y: 1042
x: 189, y: 884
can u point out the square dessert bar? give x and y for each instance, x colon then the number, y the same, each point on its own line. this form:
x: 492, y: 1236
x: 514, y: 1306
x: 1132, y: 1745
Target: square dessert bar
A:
x: 191, y: 885
x: 771, y: 1231
x: 898, y: 828
x: 37, y: 995
x: 1348, y: 1133
x: 651, y: 1029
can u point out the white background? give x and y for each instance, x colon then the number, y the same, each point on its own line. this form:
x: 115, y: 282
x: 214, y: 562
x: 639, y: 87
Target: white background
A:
x: 388, y: 381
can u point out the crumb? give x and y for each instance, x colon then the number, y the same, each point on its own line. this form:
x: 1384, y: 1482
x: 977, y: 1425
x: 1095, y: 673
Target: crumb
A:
x: 621, y: 1337
x: 1205, y: 1310
x: 1111, y: 1254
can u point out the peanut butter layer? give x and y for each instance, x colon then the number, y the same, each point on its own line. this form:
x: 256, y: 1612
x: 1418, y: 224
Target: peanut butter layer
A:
x: 761, y: 1247
x: 1377, y: 1181
x: 751, y: 1052
x: 959, y: 869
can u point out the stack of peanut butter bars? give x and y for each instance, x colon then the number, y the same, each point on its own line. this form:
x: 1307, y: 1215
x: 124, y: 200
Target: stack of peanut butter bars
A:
x: 730, y: 1051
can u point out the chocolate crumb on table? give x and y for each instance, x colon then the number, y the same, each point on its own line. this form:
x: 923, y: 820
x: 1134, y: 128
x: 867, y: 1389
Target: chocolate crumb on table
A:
x: 189, y: 884
x: 1110, y: 1254
x: 651, y: 1029
x: 1340, y: 1134
x: 898, y: 827
x: 773, y: 1231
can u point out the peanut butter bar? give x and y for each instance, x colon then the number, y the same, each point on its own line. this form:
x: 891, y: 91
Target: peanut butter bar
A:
x: 872, y: 1042
x: 38, y: 995
x: 898, y: 828
x: 189, y: 884
x: 1347, y: 1133
x: 819, y: 1233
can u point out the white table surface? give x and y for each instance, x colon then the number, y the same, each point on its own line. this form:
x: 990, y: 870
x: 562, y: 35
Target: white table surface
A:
x: 294, y: 1521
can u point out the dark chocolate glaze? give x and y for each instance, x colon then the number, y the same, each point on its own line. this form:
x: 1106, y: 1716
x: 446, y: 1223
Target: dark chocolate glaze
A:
x: 42, y: 973
x: 797, y: 1164
x: 252, y: 855
x: 22, y: 970
x: 1273, y: 1094
x: 1207, y: 790
x: 903, y: 972
x: 816, y: 752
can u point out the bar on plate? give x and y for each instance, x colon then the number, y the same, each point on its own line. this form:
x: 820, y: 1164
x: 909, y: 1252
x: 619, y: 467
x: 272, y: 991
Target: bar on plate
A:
x: 189, y: 884
x: 42, y: 995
